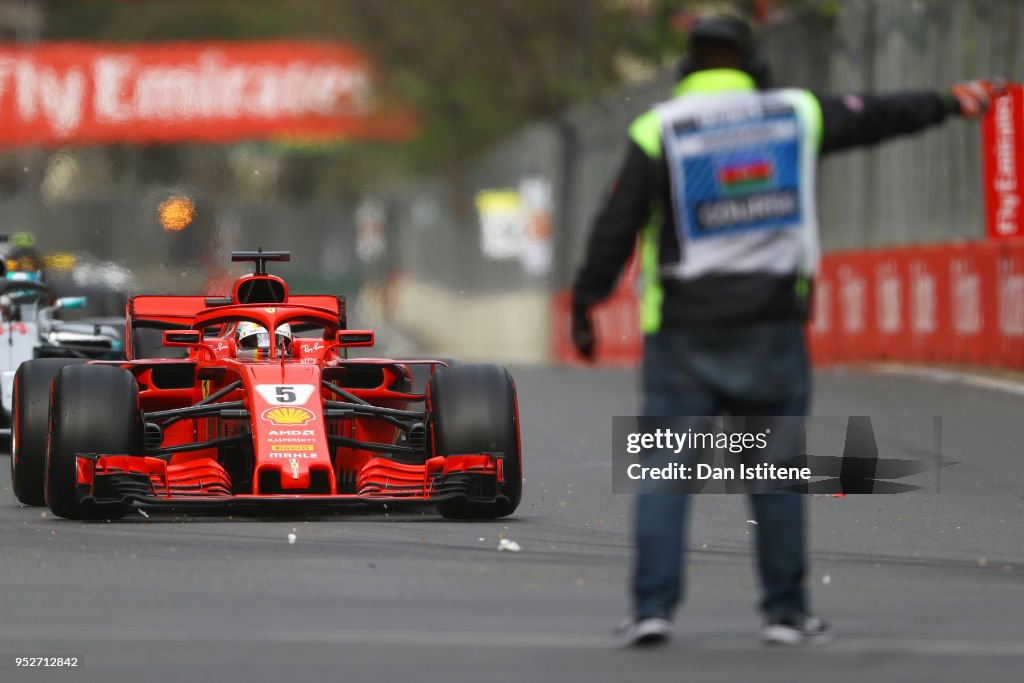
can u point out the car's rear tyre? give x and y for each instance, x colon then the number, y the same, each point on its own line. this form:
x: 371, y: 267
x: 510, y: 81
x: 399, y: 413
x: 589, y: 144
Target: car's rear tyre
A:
x: 473, y: 410
x: 30, y: 407
x: 95, y: 409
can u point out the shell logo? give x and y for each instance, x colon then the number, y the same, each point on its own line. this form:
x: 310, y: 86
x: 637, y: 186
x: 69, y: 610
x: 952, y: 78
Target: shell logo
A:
x: 283, y: 415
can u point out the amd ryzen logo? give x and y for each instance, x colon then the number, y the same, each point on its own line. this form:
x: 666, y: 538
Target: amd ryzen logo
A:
x: 291, y: 432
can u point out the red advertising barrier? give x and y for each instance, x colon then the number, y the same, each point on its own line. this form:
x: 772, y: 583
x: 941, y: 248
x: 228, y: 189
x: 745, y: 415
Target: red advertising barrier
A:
x: 951, y: 303
x: 64, y: 93
x: 959, y: 303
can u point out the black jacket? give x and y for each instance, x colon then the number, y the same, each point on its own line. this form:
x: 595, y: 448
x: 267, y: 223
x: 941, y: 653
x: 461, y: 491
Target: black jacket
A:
x: 643, y: 184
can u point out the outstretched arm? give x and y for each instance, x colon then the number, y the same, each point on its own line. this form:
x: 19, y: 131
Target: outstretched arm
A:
x: 856, y: 121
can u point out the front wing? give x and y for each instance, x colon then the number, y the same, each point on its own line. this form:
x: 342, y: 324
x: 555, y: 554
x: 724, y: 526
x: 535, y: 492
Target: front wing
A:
x: 202, y: 482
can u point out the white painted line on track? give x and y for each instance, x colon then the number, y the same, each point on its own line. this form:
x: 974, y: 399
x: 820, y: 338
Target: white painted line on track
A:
x: 946, y: 376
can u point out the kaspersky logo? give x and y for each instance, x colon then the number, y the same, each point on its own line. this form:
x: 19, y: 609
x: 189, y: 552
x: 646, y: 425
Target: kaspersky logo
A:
x: 288, y: 416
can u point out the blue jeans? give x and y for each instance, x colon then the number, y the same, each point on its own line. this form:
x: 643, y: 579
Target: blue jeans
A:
x: 753, y: 369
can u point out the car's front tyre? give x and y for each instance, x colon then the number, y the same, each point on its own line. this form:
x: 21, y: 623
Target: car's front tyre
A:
x: 473, y: 410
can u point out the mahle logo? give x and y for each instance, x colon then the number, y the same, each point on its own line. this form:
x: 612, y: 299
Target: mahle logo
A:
x: 294, y: 456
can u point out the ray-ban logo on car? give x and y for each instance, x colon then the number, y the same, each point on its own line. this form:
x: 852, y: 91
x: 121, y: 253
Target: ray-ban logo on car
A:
x: 285, y: 394
x: 310, y: 348
x: 288, y: 416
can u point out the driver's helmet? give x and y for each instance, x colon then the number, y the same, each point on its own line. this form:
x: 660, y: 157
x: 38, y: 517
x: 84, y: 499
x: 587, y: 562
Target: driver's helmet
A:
x: 24, y: 259
x: 249, y: 335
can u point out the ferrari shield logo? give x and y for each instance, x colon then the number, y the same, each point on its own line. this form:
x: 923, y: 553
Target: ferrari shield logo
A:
x: 206, y: 384
x: 295, y: 468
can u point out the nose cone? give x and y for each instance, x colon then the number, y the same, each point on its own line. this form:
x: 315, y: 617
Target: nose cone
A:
x: 291, y: 449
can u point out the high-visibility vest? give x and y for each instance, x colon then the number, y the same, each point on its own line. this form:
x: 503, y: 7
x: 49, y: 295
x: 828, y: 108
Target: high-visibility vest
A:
x: 742, y: 176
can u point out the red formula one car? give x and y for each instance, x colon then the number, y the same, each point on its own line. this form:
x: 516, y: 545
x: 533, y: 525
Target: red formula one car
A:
x: 252, y: 400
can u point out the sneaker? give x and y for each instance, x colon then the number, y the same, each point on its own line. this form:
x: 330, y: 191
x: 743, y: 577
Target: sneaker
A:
x: 797, y: 629
x: 644, y: 631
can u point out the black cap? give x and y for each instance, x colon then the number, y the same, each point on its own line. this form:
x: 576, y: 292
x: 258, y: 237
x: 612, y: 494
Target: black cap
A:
x: 723, y: 29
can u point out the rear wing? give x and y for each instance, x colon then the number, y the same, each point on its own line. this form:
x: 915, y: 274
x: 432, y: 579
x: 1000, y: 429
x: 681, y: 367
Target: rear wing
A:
x: 148, y: 315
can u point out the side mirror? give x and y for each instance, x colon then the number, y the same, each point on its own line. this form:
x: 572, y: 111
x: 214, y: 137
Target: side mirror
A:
x: 71, y: 302
x: 182, y: 337
x: 349, y: 338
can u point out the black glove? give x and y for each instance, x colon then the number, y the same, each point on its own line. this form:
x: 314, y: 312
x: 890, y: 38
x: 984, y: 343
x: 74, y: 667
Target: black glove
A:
x: 582, y: 332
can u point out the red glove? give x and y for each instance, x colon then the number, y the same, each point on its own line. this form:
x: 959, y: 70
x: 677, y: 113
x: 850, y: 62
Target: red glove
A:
x: 975, y: 97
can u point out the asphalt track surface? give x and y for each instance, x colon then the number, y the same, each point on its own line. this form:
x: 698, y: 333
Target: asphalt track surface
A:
x: 921, y: 587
